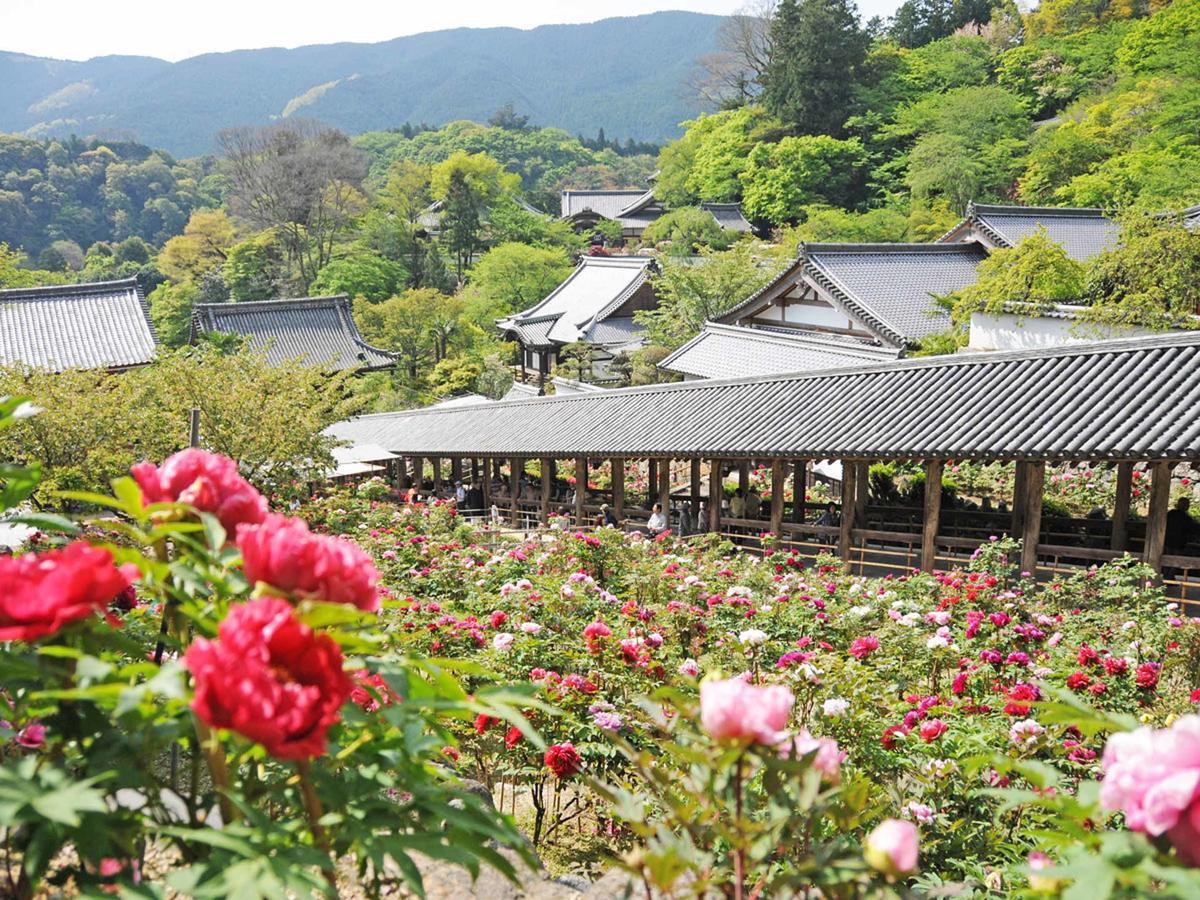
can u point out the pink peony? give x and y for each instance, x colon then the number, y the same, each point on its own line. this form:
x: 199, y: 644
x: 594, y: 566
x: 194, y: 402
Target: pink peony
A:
x: 892, y: 847
x: 207, y: 481
x: 1154, y: 778
x: 284, y: 554
x: 862, y: 647
x: 933, y: 729
x: 828, y: 758
x: 733, y: 710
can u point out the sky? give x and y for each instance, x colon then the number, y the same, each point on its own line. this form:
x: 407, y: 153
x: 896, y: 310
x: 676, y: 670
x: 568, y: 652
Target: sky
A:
x: 81, y: 29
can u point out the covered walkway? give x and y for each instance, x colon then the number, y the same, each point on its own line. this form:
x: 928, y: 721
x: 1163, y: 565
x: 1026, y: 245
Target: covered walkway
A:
x: 1133, y: 405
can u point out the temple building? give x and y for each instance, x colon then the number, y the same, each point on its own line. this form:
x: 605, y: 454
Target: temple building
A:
x: 1082, y: 233
x: 318, y: 331
x: 102, y: 325
x: 635, y: 210
x: 594, y: 306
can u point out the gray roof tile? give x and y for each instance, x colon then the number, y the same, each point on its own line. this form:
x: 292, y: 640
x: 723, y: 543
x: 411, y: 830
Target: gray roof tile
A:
x: 102, y: 325
x: 1082, y: 232
x: 735, y: 351
x: 609, y: 204
x: 320, y: 331
x: 1136, y: 399
x: 728, y: 215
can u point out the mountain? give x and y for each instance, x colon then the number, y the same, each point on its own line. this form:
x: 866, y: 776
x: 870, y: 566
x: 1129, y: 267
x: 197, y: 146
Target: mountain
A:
x: 623, y: 74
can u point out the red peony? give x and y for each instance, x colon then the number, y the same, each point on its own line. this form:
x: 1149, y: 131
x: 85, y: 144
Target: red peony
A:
x: 933, y: 729
x: 209, y: 482
x: 1147, y: 676
x: 563, y: 760
x: 269, y: 678
x: 42, y: 592
x: 1078, y: 680
x: 370, y: 691
x: 284, y: 554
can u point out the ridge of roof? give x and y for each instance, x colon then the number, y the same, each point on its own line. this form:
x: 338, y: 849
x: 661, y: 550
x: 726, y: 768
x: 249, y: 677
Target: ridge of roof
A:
x: 626, y: 262
x: 1002, y: 209
x: 83, y: 287
x: 286, y: 303
x: 791, y: 336
x: 1118, y: 345
x: 960, y: 248
x: 639, y: 204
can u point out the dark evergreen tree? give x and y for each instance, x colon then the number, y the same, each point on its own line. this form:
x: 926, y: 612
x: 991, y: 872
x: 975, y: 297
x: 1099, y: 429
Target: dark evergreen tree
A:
x: 818, y: 48
x: 461, y: 222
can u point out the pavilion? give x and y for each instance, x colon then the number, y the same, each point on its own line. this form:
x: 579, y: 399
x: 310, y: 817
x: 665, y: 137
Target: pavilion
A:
x: 635, y: 210
x: 101, y: 325
x: 594, y: 306
x: 1131, y: 404
x: 319, y: 331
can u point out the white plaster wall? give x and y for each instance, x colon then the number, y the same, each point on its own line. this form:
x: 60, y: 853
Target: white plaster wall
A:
x: 1010, y: 332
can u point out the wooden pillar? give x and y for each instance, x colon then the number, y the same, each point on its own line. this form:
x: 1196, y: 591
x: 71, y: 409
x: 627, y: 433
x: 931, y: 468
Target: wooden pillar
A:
x: 799, y: 490
x: 514, y: 489
x: 664, y: 486
x: 618, y: 488
x: 695, y: 498
x: 849, y: 495
x: 456, y: 469
x: 486, y: 485
x: 581, y: 479
x: 651, y: 481
x: 474, y: 470
x: 716, y: 493
x: 862, y: 482
x: 1018, y: 507
x: 401, y: 473
x: 1156, y: 518
x: 778, y: 480
x: 744, y: 477
x: 436, y: 462
x: 933, y: 513
x: 1033, y: 487
x: 547, y: 482
x: 418, y: 473
x: 1120, y: 519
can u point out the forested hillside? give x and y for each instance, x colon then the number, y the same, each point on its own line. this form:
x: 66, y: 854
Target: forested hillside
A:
x: 621, y: 74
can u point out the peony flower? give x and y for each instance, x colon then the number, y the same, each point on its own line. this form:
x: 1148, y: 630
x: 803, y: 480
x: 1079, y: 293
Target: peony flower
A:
x: 862, y: 647
x: 690, y: 668
x: 828, y: 758
x: 933, y: 729
x: 283, y: 553
x: 563, y: 760
x: 269, y: 678
x: 1038, y: 863
x: 40, y: 593
x: 733, y: 710
x: 530, y: 627
x: 1025, y: 732
x: 370, y: 691
x: 502, y: 641
x: 752, y: 637
x: 835, y: 707
x: 892, y: 848
x: 919, y: 812
x: 207, y: 481
x: 606, y: 720
x: 32, y: 736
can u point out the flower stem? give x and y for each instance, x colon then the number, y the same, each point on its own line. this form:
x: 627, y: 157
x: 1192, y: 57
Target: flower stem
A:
x: 214, y: 756
x: 739, y: 854
x: 312, y: 806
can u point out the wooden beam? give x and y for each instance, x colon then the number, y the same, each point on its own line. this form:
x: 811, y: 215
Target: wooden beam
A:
x: 547, y: 482
x: 849, y: 495
x: 1120, y: 519
x: 515, y: 467
x: 716, y: 492
x: 1156, y: 518
x: 695, y: 489
x: 618, y: 488
x: 581, y: 480
x: 1031, y: 530
x: 933, y: 512
x: 799, y: 491
x: 778, y: 481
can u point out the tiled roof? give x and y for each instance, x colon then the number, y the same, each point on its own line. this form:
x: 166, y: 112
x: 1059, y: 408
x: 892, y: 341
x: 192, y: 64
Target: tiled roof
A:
x: 735, y: 351
x: 890, y: 287
x: 1191, y: 217
x: 318, y: 330
x: 103, y: 325
x: 597, y: 288
x: 1082, y: 232
x: 532, y: 332
x: 615, y: 331
x: 1136, y: 399
x: 608, y: 204
x: 728, y: 215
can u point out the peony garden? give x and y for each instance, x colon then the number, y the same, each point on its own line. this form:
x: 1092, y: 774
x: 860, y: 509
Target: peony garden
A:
x: 208, y: 691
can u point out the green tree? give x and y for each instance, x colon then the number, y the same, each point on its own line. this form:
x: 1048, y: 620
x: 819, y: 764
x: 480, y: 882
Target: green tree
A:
x: 204, y: 244
x: 171, y: 311
x: 691, y: 293
x: 687, y: 229
x: 404, y: 324
x: 1150, y: 279
x: 783, y: 178
x: 360, y: 273
x: 462, y: 221
x: 818, y: 50
x: 253, y: 269
x: 511, y: 277
x: 1035, y: 274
